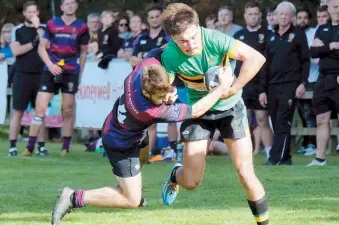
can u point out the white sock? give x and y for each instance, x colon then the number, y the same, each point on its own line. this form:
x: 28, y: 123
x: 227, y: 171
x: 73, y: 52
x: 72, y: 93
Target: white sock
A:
x: 267, y: 151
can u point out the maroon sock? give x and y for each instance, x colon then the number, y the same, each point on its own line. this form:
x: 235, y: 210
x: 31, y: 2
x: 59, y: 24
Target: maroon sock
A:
x: 66, y: 142
x: 31, y: 143
x: 78, y: 199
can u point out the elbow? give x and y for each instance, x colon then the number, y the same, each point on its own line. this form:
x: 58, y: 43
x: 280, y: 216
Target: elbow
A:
x: 260, y: 58
x: 256, y: 57
x: 14, y: 52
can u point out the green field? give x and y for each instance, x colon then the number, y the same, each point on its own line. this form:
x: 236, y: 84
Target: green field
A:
x: 297, y: 195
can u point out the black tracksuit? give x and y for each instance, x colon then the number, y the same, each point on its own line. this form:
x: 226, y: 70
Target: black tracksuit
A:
x: 326, y: 91
x: 287, y: 66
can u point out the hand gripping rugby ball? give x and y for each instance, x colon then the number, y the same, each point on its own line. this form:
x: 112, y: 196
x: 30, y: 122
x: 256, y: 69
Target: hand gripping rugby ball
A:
x: 211, y: 76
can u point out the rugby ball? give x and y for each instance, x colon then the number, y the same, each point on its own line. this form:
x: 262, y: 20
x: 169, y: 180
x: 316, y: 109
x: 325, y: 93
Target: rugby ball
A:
x: 211, y: 76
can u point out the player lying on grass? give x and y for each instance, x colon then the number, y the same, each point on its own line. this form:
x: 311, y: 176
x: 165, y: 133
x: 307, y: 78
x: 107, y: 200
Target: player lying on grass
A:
x: 146, y: 90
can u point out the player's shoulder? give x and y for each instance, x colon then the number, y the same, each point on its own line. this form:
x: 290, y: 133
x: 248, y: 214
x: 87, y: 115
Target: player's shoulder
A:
x: 323, y: 28
x: 19, y: 28
x: 170, y: 51
x: 239, y: 33
x: 155, y: 53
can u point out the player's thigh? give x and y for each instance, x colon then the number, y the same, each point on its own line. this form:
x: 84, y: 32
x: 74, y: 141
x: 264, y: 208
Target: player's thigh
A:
x: 241, y: 152
x: 262, y: 117
x: 126, y: 167
x: 196, y: 135
x: 131, y: 187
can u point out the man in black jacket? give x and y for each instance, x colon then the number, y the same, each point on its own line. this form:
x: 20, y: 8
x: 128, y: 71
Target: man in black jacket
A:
x: 284, y: 79
x: 326, y: 94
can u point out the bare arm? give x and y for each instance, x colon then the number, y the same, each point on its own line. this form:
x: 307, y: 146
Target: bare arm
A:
x: 83, y: 57
x: 18, y: 49
x: 207, y: 102
x: 252, y: 63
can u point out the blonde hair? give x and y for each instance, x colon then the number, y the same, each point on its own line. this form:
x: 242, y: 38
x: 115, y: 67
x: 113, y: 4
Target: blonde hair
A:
x: 109, y: 12
x: 5, y: 28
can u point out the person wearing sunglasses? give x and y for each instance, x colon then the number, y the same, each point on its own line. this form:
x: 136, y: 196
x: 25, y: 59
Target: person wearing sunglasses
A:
x: 123, y: 28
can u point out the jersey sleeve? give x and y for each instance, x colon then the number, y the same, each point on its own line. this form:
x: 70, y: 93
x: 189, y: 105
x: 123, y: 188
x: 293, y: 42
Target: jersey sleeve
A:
x: 171, y: 113
x: 224, y: 43
x: 47, y: 32
x: 18, y: 36
x: 13, y: 34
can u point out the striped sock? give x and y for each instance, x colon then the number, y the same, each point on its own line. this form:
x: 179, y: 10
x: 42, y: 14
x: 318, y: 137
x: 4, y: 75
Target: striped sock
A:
x: 78, y: 199
x: 259, y: 210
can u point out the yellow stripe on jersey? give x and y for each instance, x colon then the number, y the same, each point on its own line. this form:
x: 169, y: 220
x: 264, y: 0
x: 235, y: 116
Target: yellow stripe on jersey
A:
x: 233, y: 49
x: 192, y: 78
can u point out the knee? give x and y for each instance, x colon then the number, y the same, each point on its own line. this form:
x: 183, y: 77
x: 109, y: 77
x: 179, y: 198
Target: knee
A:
x: 133, y: 203
x: 246, y: 175
x: 262, y: 121
x: 67, y: 112
x: 322, y: 121
x: 191, y: 184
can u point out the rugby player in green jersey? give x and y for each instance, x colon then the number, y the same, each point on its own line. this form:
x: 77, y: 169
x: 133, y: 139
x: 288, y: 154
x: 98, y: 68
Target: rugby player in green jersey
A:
x: 190, y: 53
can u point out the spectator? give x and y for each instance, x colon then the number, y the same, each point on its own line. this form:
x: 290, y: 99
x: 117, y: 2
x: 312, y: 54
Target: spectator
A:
x: 27, y: 73
x: 123, y: 28
x: 326, y: 92
x: 129, y: 13
x: 155, y: 37
x: 322, y: 15
x: 127, y: 48
x: 94, y: 24
x: 210, y: 21
x: 109, y: 42
x: 66, y: 39
x: 225, y: 19
x: 5, y: 39
x: 255, y: 36
x: 271, y: 17
x: 284, y: 78
x: 305, y: 105
x: 6, y: 54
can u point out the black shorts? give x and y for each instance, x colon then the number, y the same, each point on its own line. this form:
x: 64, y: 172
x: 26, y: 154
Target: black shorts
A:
x: 325, y: 100
x: 251, y: 97
x: 25, y: 90
x: 253, y: 104
x: 68, y: 85
x: 125, y: 163
x: 231, y: 126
